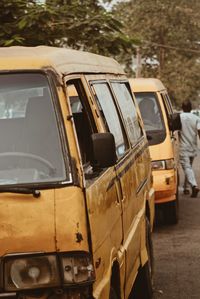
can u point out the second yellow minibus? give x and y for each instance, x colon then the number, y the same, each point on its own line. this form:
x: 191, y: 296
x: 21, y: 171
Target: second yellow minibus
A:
x: 161, y: 124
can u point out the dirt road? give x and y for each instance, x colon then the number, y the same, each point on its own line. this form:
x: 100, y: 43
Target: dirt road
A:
x: 177, y: 251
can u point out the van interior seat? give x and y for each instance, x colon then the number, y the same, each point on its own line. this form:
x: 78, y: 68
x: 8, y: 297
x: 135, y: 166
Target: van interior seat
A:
x: 11, y: 133
x: 84, y: 135
x: 40, y: 128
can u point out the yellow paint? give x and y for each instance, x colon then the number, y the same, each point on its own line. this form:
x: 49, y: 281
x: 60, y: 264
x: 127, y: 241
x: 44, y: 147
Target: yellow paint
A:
x: 167, y: 149
x: 103, y: 215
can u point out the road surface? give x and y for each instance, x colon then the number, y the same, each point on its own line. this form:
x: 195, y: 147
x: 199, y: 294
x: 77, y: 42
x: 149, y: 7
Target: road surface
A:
x: 177, y: 250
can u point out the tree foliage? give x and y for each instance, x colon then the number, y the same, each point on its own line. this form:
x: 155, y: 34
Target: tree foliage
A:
x: 165, y: 31
x: 169, y: 42
x: 74, y: 23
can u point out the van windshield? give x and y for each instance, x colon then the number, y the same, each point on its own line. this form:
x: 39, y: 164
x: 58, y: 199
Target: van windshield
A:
x: 30, y: 148
x: 150, y: 111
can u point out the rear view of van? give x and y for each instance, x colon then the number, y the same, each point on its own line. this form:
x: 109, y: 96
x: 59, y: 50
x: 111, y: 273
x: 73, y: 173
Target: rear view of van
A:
x: 157, y: 112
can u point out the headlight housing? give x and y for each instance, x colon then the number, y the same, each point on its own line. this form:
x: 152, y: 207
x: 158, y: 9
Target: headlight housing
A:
x: 30, y: 272
x: 77, y: 268
x: 163, y: 164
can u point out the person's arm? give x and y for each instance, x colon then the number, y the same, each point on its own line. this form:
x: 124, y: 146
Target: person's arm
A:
x: 198, y: 126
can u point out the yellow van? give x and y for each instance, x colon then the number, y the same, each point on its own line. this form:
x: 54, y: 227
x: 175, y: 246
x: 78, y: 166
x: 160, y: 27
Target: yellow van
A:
x: 76, y: 196
x: 160, y: 123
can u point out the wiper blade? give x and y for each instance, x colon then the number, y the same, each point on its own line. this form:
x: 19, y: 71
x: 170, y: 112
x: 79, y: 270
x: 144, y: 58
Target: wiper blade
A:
x: 36, y: 193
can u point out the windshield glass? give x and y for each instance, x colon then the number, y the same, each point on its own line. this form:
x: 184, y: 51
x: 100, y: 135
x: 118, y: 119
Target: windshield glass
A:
x: 30, y: 148
x: 150, y: 111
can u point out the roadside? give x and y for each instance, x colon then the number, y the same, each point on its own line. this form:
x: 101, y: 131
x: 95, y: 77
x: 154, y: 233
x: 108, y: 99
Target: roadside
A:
x: 177, y: 250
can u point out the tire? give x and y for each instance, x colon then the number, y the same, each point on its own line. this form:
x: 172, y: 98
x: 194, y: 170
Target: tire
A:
x: 171, y: 210
x: 149, y: 245
x: 143, y: 287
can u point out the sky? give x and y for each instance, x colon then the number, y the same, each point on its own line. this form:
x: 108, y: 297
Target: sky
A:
x: 109, y: 6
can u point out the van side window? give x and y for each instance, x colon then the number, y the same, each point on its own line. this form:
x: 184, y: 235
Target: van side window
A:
x: 111, y: 117
x: 128, y: 110
x: 167, y: 105
x: 83, y: 121
x: 150, y: 111
x: 169, y: 102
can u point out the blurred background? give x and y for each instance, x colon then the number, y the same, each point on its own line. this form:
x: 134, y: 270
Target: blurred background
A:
x: 150, y: 38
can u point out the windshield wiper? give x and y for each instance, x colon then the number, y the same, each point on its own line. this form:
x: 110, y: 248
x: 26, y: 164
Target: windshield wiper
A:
x: 36, y: 193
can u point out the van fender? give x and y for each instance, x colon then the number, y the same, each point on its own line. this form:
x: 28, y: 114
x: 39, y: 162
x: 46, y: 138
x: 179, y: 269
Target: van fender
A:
x: 143, y: 251
x: 114, y: 277
x: 146, y: 214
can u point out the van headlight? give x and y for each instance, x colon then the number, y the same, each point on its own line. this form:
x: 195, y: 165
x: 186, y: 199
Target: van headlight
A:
x: 29, y: 272
x: 163, y: 164
x: 77, y: 268
x: 26, y: 272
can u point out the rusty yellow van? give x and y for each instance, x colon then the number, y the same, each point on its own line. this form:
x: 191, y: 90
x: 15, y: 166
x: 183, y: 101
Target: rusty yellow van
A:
x: 76, y: 190
x: 161, y: 129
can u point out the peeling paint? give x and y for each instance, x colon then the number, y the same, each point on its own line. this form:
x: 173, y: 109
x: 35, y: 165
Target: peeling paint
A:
x: 79, y: 237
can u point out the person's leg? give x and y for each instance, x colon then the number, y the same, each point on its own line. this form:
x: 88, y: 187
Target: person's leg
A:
x: 186, y: 186
x: 195, y: 189
x: 191, y: 160
x: 186, y: 163
x: 187, y: 168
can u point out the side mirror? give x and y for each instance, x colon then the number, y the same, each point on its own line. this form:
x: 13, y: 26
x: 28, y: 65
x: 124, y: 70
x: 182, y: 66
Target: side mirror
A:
x: 175, y: 122
x: 104, y: 152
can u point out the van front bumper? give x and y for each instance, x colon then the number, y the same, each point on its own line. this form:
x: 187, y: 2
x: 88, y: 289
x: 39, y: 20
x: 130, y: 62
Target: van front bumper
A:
x: 165, y: 185
x: 8, y: 295
x: 78, y: 293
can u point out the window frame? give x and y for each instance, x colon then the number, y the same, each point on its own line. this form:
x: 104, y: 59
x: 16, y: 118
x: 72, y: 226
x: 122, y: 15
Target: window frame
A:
x: 121, y: 120
x: 52, y: 82
x: 142, y: 134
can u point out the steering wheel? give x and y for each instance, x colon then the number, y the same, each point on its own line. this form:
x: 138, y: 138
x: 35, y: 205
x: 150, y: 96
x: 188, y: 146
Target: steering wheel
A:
x: 30, y: 156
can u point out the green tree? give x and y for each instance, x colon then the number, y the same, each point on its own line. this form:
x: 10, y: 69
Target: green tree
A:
x: 74, y: 23
x: 24, y: 23
x: 169, y: 42
x: 10, y: 11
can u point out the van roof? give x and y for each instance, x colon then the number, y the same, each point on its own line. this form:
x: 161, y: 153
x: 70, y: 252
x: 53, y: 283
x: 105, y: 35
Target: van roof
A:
x: 146, y: 84
x: 63, y: 60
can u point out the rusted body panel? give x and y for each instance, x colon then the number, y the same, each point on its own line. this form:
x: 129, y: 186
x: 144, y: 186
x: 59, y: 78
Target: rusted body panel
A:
x: 54, y: 222
x: 88, y: 225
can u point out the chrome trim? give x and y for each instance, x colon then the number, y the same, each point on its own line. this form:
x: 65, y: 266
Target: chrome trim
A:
x: 3, y: 295
x: 22, y: 253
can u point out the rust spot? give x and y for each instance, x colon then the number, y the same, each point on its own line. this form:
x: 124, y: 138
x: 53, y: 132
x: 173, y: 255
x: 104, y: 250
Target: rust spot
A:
x: 79, y: 237
x: 97, y: 263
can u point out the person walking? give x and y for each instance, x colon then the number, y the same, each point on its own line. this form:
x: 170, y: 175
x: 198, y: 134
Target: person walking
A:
x: 188, y: 134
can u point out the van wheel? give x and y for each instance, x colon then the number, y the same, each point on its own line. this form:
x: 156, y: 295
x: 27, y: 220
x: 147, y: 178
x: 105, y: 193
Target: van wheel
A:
x: 113, y: 294
x: 171, y: 211
x: 149, y: 245
x: 143, y: 286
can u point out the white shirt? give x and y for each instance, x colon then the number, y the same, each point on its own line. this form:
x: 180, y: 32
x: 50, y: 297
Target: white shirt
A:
x: 188, y: 134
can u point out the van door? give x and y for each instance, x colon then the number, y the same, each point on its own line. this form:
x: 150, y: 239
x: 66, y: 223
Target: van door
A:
x: 100, y: 185
x: 133, y: 173
x: 174, y: 135
x: 130, y: 168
